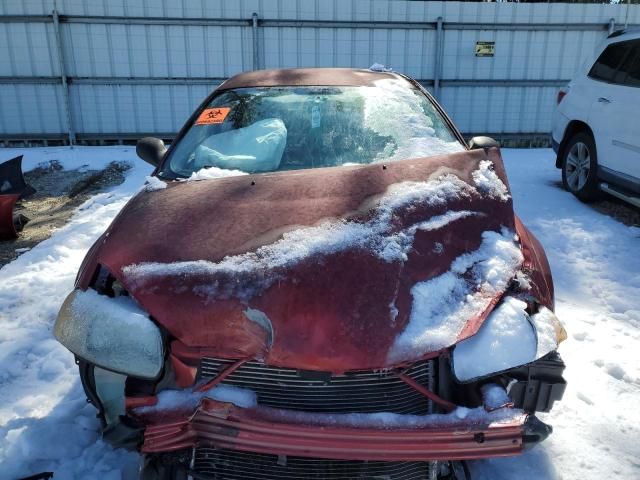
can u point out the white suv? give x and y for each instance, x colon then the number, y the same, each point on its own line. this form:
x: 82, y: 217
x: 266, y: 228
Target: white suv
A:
x: 596, y: 124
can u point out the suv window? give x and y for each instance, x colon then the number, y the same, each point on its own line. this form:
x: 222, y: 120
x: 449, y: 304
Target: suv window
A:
x: 605, y: 68
x: 631, y: 67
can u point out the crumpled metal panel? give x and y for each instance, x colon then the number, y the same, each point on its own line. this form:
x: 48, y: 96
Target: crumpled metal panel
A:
x: 329, y: 313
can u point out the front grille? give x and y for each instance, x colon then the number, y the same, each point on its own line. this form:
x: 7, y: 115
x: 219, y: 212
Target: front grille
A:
x: 362, y: 391
x: 234, y: 465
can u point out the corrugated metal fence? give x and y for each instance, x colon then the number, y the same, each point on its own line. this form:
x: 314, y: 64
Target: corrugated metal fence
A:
x: 87, y: 70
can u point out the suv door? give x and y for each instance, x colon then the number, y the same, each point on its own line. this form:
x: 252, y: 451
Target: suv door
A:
x: 626, y: 140
x: 613, y: 113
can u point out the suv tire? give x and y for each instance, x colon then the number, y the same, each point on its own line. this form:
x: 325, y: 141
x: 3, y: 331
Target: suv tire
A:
x: 580, y: 167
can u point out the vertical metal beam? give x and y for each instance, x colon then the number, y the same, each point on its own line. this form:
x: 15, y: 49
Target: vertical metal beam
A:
x: 437, y: 74
x: 612, y: 25
x: 63, y: 76
x: 256, y: 41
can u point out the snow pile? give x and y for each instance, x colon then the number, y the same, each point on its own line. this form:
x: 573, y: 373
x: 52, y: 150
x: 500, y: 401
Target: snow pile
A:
x: 442, y: 305
x: 379, y: 67
x: 494, y: 397
x: 489, y: 183
x: 376, y: 235
x: 413, y: 134
x: 186, y: 399
x: 211, y: 173
x: 549, y: 331
x: 154, y: 183
x: 506, y: 339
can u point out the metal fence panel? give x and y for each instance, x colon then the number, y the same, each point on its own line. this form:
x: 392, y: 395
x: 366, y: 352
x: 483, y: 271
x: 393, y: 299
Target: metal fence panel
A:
x: 141, y: 66
x: 29, y: 108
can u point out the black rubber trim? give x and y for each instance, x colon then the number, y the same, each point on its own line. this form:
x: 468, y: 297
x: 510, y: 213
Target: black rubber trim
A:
x: 89, y: 385
x: 536, y: 386
x: 628, y: 182
x: 535, y: 431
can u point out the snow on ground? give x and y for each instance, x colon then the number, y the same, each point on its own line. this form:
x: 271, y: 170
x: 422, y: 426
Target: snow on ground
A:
x: 595, y: 266
x: 45, y: 423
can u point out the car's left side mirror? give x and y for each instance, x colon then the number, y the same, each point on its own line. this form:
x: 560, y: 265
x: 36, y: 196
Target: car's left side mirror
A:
x: 482, y: 142
x: 151, y: 150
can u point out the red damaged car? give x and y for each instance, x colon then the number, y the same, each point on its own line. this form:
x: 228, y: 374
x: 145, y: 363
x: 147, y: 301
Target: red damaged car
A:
x: 321, y: 280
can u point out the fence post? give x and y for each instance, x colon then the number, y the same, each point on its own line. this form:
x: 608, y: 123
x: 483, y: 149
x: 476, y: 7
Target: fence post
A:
x: 256, y: 41
x: 438, y: 58
x: 63, y: 77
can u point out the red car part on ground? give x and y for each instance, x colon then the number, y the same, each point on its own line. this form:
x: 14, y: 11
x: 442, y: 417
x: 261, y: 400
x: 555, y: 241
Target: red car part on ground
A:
x: 12, y: 188
x: 7, y: 224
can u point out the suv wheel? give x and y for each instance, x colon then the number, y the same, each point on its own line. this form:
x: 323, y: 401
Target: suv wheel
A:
x: 579, y: 167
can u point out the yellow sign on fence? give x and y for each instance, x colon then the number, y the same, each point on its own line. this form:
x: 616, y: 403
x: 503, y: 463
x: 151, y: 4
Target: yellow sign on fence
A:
x: 485, y: 49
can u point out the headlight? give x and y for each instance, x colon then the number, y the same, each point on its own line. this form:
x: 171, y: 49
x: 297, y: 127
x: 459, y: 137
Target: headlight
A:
x: 113, y: 333
x: 508, y: 338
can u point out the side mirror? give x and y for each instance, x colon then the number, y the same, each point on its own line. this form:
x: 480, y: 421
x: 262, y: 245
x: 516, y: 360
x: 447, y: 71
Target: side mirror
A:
x: 151, y: 150
x: 482, y: 142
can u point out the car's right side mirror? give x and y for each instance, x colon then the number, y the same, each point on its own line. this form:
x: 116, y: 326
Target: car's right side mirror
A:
x: 483, y: 142
x: 151, y: 150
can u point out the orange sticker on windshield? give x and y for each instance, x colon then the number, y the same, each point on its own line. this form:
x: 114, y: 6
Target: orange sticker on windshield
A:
x: 213, y: 115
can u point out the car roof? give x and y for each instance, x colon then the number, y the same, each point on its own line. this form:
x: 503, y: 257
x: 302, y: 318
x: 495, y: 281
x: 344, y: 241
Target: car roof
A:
x: 307, y: 77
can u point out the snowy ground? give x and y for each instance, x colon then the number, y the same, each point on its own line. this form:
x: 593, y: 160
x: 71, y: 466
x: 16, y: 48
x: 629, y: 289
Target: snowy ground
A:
x: 45, y: 423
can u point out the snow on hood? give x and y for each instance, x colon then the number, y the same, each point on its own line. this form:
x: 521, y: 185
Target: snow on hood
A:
x: 153, y: 183
x: 376, y: 235
x: 443, y: 305
x: 337, y: 263
x: 211, y: 173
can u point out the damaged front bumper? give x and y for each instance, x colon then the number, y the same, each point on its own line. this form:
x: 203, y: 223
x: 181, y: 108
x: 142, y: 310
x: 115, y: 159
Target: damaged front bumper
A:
x: 500, y: 433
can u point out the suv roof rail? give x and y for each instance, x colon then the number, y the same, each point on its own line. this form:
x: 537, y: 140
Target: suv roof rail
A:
x: 617, y: 33
x: 634, y: 29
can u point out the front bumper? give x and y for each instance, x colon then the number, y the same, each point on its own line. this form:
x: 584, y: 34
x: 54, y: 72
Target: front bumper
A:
x: 505, y: 432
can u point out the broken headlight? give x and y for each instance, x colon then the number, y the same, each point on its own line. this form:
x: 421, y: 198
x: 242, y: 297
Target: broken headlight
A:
x: 113, y: 333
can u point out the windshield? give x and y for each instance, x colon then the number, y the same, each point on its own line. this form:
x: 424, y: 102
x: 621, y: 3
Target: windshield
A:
x: 284, y: 128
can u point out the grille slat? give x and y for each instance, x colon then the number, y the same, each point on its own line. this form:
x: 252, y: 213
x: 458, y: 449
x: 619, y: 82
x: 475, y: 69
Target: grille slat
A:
x: 359, y: 391
x: 236, y: 465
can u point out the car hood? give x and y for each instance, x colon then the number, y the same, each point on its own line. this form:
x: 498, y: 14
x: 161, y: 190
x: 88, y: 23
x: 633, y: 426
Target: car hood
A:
x: 332, y: 269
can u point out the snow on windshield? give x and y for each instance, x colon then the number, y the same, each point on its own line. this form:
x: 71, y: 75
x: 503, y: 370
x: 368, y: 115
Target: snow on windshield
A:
x: 413, y: 131
x: 284, y: 128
